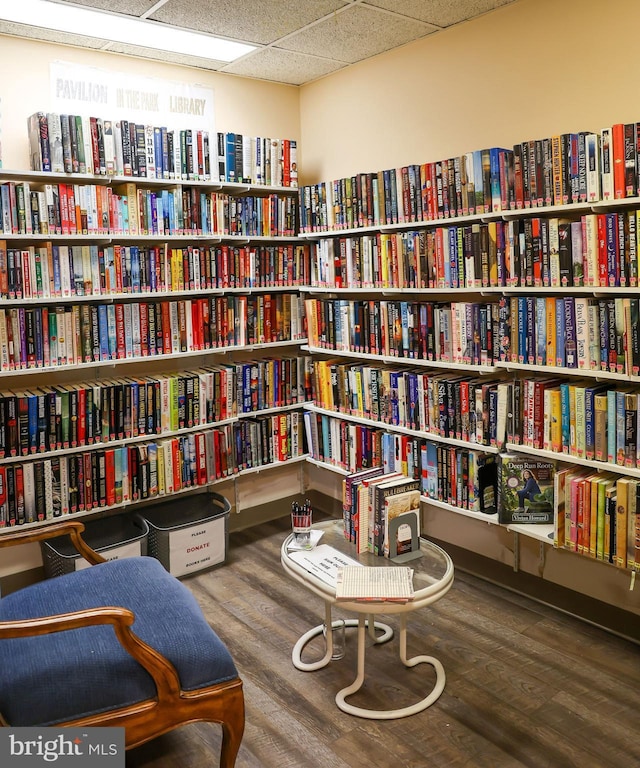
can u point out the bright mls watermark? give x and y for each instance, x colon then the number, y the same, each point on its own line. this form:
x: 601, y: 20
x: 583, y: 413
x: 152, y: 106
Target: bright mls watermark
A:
x: 62, y: 747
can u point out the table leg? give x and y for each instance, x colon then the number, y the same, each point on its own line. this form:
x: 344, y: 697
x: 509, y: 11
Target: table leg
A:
x: 391, y: 714
x: 303, y: 666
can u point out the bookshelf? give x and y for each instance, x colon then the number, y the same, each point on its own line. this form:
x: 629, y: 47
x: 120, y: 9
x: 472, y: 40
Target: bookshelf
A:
x: 143, y: 358
x: 420, y: 259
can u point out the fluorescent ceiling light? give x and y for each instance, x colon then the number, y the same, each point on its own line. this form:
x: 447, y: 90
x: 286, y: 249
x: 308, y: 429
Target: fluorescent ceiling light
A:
x: 118, y: 28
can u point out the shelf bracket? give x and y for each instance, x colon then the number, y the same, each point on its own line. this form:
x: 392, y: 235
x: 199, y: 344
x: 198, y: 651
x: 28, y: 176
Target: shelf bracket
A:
x: 542, y: 558
x: 516, y: 551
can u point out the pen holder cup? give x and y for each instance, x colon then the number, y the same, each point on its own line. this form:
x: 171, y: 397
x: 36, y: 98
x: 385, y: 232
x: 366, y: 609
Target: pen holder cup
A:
x: 301, y: 527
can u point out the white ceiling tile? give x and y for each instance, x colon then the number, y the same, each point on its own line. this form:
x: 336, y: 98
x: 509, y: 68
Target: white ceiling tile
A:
x: 356, y: 34
x: 282, y: 66
x: 442, y: 13
x: 247, y: 20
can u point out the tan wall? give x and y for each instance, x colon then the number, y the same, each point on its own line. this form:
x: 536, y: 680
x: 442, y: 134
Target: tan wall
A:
x: 246, y: 106
x: 524, y: 71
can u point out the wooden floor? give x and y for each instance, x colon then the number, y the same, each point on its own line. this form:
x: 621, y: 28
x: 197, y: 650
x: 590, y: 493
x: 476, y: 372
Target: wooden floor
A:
x: 526, y: 685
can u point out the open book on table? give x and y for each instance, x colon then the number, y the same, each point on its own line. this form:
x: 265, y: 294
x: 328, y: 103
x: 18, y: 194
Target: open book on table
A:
x: 376, y: 584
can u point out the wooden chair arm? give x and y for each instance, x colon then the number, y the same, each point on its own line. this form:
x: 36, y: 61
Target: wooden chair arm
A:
x: 72, y: 528
x: 160, y: 668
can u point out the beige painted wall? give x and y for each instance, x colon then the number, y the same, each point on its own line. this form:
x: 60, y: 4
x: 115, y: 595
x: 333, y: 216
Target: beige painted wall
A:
x: 246, y: 106
x: 524, y: 71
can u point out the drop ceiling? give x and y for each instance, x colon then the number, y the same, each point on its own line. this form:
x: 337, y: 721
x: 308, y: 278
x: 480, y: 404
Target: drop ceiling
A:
x: 297, y: 40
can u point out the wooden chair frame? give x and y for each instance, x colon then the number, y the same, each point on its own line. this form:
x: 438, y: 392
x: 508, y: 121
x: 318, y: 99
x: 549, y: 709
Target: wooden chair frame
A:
x: 171, y: 707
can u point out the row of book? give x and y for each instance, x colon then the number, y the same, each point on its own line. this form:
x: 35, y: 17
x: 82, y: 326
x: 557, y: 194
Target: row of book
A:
x: 44, y: 489
x: 128, y: 209
x: 63, y: 143
x: 352, y: 447
x: 596, y: 250
x: 461, y: 477
x: 412, y: 193
x: 382, y: 260
x: 594, y: 513
x: 443, y: 404
x: 381, y: 509
x: 582, y: 418
x: 45, y: 337
x: 586, y: 419
x: 375, y: 504
x: 570, y: 168
x: 598, y: 515
x: 51, y: 270
x: 576, y: 333
x: 49, y: 418
x: 416, y: 330
x: 519, y: 489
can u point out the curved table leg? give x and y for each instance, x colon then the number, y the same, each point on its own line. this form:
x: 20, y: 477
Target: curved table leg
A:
x: 296, y: 654
x: 391, y: 714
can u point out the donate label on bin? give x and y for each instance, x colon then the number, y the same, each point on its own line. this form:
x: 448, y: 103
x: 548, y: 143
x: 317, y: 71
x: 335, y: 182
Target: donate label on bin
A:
x: 200, y: 546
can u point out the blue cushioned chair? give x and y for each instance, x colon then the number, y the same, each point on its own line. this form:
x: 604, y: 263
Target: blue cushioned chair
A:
x: 122, y: 643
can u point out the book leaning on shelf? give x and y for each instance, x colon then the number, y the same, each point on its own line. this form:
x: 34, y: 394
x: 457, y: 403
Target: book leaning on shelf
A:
x: 525, y: 489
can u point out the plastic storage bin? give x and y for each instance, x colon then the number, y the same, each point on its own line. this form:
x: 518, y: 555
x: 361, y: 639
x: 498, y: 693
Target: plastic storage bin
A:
x: 190, y: 534
x: 112, y: 537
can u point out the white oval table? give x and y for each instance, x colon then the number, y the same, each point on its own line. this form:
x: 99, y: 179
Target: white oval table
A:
x: 432, y: 579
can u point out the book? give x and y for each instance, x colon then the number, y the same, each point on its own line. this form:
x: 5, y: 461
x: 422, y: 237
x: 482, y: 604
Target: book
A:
x: 401, y: 517
x: 375, y: 584
x: 525, y: 489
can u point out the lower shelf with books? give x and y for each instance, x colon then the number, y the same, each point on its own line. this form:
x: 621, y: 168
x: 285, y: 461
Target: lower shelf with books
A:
x: 521, y: 491
x: 105, y: 476
x: 99, y: 509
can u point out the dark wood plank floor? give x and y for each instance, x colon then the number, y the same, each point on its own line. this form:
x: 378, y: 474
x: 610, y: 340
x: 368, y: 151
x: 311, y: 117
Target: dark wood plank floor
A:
x: 526, y: 685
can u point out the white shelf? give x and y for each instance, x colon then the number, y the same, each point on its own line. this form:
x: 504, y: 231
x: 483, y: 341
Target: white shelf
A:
x: 460, y: 511
x: 562, y: 371
x: 570, y: 290
x: 238, y: 188
x: 390, y: 291
x: 106, y: 364
x: 276, y: 409
x: 163, y: 237
x: 401, y: 430
x: 570, y: 459
x: 273, y: 465
x: 490, y: 290
x: 331, y: 467
x: 110, y: 298
x: 544, y: 533
x: 401, y: 360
